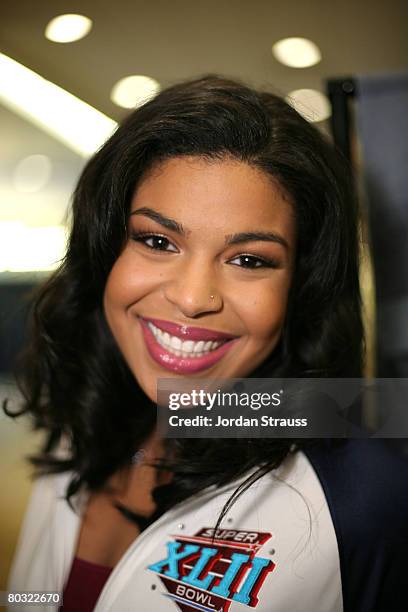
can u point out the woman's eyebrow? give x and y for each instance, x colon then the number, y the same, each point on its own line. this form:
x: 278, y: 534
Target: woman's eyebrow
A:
x: 230, y: 239
x: 175, y: 226
x: 251, y: 236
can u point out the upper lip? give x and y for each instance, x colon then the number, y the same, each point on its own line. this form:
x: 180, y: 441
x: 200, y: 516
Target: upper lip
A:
x: 189, y: 333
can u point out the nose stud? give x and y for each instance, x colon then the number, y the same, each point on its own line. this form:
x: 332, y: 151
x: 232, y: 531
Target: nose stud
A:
x: 211, y: 297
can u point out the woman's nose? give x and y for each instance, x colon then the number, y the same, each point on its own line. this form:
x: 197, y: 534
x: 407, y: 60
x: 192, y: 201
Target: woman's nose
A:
x: 194, y: 290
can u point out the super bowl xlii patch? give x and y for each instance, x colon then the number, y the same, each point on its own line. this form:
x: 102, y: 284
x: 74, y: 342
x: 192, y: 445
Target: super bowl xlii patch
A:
x: 210, y: 570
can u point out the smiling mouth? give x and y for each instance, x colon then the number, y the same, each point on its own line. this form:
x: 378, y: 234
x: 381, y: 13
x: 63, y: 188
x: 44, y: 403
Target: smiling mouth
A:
x: 185, y: 356
x: 184, y: 348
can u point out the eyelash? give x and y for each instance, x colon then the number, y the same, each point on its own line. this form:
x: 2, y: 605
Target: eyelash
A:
x: 142, y: 236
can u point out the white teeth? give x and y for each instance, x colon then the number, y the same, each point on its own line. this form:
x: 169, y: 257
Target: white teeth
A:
x: 199, y: 346
x: 186, y: 348
x: 175, y: 343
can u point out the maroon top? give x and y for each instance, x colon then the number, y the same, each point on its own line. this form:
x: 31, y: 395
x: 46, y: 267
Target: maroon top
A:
x: 85, y: 582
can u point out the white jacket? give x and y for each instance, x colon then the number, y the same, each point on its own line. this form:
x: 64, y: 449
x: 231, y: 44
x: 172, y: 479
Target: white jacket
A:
x: 276, y: 551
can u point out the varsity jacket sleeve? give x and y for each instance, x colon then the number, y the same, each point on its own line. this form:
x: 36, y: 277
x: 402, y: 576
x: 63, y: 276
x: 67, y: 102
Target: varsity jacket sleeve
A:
x: 365, y: 482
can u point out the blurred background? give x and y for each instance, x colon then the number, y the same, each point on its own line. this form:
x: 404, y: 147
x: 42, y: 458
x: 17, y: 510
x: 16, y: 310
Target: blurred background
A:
x: 69, y: 71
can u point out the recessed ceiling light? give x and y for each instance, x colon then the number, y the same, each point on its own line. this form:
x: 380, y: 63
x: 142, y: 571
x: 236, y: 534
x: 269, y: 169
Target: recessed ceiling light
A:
x: 32, y: 173
x: 67, y: 118
x: 310, y: 103
x: 67, y: 28
x: 135, y: 90
x: 297, y: 52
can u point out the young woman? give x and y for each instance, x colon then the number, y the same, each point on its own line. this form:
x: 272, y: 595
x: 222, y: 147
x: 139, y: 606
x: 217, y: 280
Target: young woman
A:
x: 216, y: 235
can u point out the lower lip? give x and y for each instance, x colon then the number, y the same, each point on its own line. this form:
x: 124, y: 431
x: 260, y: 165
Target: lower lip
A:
x: 184, y: 365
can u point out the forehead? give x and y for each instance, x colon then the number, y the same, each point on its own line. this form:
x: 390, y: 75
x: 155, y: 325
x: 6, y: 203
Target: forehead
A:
x: 214, y: 193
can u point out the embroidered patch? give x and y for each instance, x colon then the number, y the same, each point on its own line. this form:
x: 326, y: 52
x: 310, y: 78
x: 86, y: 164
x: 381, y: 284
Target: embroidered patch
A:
x: 212, y: 569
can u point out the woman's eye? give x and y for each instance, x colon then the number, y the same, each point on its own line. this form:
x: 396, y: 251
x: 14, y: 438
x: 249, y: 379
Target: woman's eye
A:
x: 252, y: 262
x: 156, y: 242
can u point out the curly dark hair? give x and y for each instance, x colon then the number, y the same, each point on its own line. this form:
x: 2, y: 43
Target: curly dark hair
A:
x: 73, y: 378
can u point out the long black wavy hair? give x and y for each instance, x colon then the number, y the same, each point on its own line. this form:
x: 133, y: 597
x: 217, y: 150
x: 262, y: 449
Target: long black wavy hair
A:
x: 74, y: 380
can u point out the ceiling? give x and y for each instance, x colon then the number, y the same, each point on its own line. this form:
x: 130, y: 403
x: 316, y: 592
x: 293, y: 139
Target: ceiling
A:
x: 171, y: 40
x: 177, y: 39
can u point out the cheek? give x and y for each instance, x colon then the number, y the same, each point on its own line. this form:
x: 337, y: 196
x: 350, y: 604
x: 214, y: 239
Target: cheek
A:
x: 263, y: 310
x: 127, y: 282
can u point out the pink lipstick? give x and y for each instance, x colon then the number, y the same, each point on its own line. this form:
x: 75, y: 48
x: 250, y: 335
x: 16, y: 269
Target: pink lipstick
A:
x: 185, y: 364
x: 189, y: 333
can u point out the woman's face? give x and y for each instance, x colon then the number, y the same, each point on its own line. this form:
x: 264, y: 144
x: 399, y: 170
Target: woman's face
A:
x: 196, y: 229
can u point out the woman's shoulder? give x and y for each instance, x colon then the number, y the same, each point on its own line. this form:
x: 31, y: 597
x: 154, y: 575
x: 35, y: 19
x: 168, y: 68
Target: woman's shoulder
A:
x: 365, y: 482
x: 364, y: 478
x: 47, y: 492
x: 45, y: 535
x: 51, y: 487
